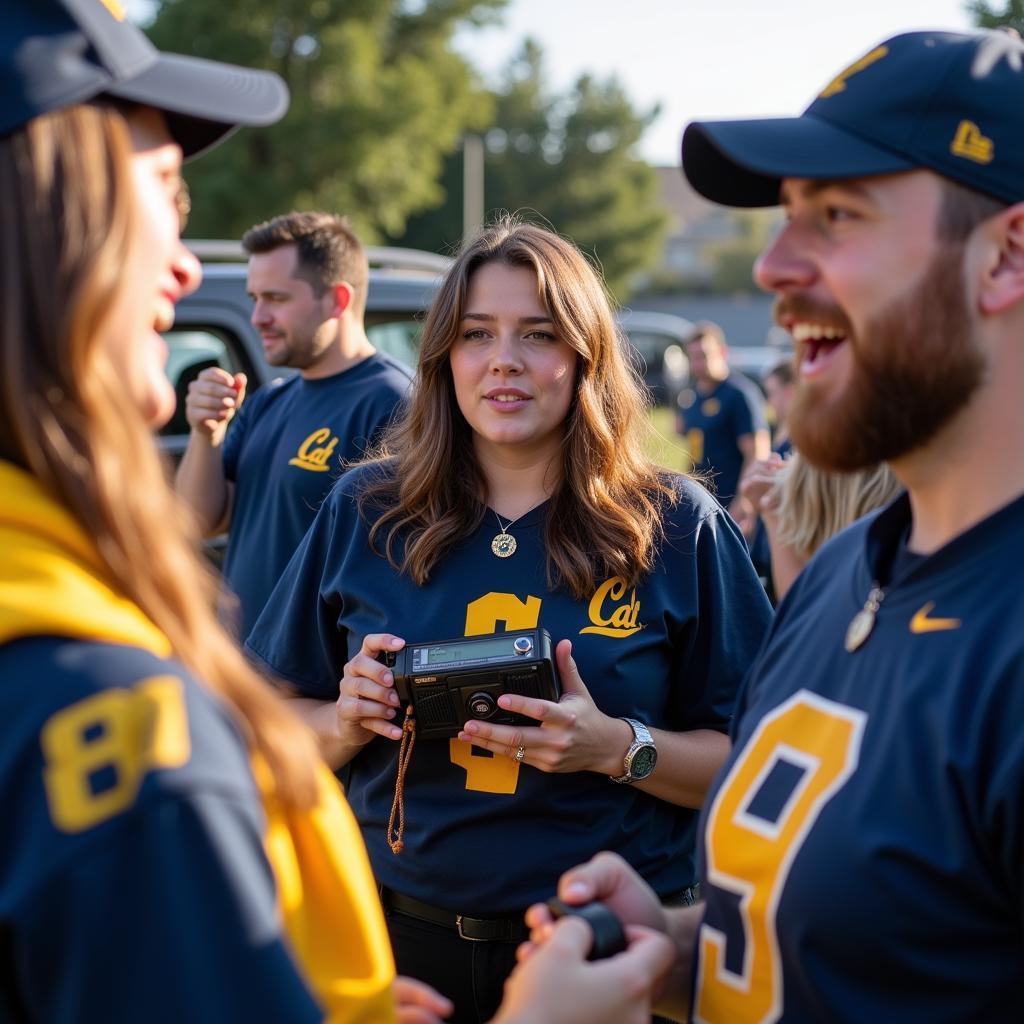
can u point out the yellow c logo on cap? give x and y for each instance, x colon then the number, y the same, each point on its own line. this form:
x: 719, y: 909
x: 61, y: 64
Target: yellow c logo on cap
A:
x: 971, y: 144
x: 116, y: 10
x: 838, y: 84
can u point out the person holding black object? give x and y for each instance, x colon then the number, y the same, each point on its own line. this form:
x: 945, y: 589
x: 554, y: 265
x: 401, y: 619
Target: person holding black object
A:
x: 515, y: 495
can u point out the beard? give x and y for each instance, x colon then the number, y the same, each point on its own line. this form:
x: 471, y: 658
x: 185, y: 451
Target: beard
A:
x: 298, y: 350
x: 914, y: 367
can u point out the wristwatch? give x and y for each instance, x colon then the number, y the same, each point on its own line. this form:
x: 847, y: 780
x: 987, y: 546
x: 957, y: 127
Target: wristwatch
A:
x: 641, y: 757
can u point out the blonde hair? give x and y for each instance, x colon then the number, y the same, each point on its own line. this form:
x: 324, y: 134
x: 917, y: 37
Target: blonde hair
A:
x: 606, y: 512
x: 812, y: 504
x: 66, y: 417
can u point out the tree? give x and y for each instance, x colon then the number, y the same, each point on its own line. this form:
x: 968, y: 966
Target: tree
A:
x: 986, y: 16
x: 379, y: 97
x: 567, y: 161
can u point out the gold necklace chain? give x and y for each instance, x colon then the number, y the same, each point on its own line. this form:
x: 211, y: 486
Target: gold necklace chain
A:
x: 504, y: 544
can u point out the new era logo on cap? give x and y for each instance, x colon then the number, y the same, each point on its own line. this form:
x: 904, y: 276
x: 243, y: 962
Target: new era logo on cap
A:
x: 949, y: 102
x: 971, y: 144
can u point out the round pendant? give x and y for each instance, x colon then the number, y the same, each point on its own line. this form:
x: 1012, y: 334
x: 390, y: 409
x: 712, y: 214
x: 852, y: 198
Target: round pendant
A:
x: 504, y: 545
x: 859, y: 629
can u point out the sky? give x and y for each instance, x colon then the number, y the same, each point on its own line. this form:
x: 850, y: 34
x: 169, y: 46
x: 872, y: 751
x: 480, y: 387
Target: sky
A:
x: 703, y: 58
x: 697, y: 58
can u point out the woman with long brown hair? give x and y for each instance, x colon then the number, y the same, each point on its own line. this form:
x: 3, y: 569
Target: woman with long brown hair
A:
x: 173, y: 848
x: 515, y: 495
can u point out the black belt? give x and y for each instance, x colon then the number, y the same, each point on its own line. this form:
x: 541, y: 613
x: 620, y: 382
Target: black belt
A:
x: 474, y: 929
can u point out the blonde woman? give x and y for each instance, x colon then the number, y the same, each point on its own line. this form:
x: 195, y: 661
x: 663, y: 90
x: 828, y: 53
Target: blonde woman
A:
x: 515, y: 494
x: 173, y: 849
x: 802, y: 507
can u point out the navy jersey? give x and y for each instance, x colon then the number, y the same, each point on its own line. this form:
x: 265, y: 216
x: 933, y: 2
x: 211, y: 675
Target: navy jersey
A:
x: 864, y: 848
x: 484, y: 832
x: 283, y: 451
x: 133, y: 880
x: 713, y: 423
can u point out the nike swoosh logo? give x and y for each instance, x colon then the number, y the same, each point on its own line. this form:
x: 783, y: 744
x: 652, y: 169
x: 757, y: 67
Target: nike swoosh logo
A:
x: 921, y: 623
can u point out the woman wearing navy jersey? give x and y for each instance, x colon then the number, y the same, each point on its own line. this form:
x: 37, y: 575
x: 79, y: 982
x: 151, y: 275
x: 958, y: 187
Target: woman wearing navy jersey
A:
x: 515, y: 494
x: 172, y: 848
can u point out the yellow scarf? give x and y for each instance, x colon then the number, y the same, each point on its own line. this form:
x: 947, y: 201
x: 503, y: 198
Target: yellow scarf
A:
x: 52, y: 583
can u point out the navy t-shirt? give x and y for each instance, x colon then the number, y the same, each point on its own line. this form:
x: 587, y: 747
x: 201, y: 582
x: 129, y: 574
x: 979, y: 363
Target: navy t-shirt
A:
x: 711, y: 425
x: 863, y: 852
x: 284, y: 451
x: 133, y: 880
x: 483, y: 833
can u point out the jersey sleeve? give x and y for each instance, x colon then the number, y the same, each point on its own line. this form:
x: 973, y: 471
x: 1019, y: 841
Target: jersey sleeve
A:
x: 170, y: 916
x: 234, y: 438
x: 384, y: 406
x: 298, y: 635
x: 748, y: 410
x: 733, y: 617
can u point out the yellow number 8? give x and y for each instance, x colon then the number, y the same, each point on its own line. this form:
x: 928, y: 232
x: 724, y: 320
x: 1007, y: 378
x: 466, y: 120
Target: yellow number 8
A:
x: 120, y: 732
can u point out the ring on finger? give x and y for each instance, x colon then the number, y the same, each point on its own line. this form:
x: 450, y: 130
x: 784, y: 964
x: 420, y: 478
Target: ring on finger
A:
x: 520, y: 754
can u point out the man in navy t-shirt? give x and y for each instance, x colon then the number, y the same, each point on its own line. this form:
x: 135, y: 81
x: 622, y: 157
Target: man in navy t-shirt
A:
x: 266, y: 475
x: 720, y: 416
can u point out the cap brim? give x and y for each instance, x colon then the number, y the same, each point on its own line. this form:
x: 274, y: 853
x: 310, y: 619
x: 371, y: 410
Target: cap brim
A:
x: 205, y: 100
x: 742, y: 163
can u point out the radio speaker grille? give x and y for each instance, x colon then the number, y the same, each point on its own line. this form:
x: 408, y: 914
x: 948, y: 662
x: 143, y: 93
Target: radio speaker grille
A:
x: 435, y: 707
x: 523, y: 683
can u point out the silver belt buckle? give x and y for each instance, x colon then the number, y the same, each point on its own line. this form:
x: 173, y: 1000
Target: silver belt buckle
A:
x: 462, y: 934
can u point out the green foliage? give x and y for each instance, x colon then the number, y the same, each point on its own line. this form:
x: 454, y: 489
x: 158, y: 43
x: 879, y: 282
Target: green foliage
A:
x: 379, y: 97
x: 985, y: 15
x: 664, y: 446
x: 567, y: 161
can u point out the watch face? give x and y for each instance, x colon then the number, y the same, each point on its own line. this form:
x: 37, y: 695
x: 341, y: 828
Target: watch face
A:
x: 643, y: 762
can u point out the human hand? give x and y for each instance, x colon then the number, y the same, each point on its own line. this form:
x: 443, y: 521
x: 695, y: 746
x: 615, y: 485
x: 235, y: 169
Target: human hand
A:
x: 606, y: 877
x: 559, y: 986
x: 367, y: 701
x: 213, y: 399
x: 417, y: 1003
x: 744, y: 515
x: 758, y: 481
x: 573, y: 734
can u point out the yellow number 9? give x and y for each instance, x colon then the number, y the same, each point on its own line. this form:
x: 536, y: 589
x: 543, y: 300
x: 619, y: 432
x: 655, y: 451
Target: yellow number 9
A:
x: 750, y: 856
x: 119, y: 732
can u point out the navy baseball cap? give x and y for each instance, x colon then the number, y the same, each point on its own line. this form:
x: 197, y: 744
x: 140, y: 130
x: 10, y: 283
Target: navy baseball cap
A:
x: 949, y: 102
x: 56, y: 53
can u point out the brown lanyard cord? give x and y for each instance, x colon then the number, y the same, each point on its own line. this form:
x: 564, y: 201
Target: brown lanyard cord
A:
x: 398, y: 804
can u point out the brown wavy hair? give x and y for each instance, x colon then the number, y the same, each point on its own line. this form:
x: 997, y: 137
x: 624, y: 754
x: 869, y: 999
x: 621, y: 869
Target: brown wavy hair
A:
x: 606, y: 512
x: 65, y: 416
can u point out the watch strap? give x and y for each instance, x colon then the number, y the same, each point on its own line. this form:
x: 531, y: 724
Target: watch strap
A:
x: 641, y: 738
